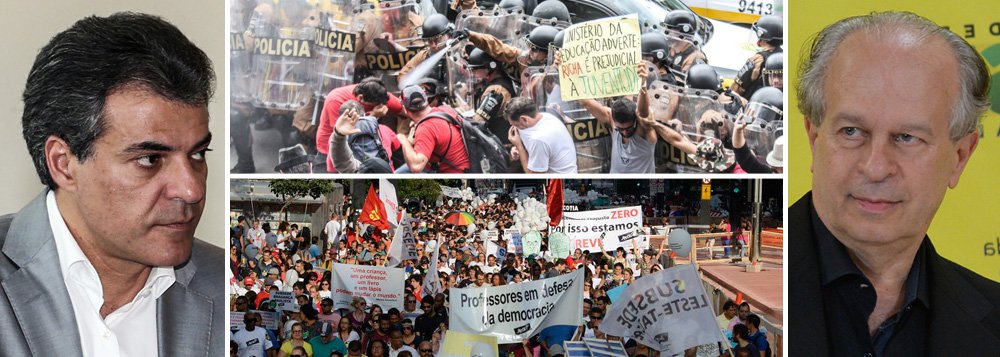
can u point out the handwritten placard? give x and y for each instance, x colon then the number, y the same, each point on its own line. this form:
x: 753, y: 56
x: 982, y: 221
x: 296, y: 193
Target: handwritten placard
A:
x: 599, y: 59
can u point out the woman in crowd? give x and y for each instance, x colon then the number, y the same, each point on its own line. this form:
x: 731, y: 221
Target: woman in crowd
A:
x: 295, y: 341
x: 346, y: 332
x: 358, y: 317
x: 377, y: 348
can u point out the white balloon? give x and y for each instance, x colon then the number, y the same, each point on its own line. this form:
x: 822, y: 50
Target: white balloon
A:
x: 472, y: 228
x: 491, y: 225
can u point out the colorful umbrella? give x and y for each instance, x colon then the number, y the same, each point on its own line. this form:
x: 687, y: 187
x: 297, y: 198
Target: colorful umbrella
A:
x: 459, y: 218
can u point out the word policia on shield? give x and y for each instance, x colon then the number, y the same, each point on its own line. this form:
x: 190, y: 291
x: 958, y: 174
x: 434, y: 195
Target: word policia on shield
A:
x: 599, y: 58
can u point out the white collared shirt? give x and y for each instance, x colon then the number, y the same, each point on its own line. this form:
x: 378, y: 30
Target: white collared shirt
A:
x: 128, y: 331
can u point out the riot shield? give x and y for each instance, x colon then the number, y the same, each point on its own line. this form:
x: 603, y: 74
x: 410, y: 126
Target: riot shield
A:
x: 335, y: 46
x: 502, y: 24
x: 283, y: 54
x: 460, y: 81
x: 765, y: 124
x: 592, y: 139
x: 389, y: 36
x: 240, y: 50
x: 698, y: 115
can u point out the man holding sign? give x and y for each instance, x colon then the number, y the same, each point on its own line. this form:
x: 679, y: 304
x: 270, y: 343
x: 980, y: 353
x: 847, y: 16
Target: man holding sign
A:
x: 633, y: 140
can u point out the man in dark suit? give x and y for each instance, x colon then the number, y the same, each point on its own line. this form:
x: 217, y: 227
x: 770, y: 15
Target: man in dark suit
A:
x: 892, y: 105
x: 104, y: 261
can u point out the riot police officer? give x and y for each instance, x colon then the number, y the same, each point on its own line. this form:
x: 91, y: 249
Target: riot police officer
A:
x: 774, y: 68
x: 538, y: 41
x: 495, y: 92
x: 750, y: 78
x: 656, y: 50
x: 437, y: 30
x: 682, y: 27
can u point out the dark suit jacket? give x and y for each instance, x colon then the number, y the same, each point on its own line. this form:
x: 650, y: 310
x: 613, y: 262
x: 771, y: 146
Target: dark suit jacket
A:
x: 36, y: 315
x: 965, y: 307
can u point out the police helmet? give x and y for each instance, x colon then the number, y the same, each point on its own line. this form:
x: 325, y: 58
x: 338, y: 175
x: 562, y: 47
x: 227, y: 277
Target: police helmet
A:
x: 703, y: 76
x: 682, y: 21
x: 435, y: 25
x: 766, y: 104
x: 654, y: 44
x: 549, y: 9
x: 480, y: 59
x: 558, y: 41
x: 774, y: 66
x: 511, y: 5
x: 769, y: 28
x: 542, y: 36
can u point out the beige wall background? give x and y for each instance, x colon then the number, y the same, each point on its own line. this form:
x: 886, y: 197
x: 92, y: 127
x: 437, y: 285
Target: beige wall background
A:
x: 28, y: 25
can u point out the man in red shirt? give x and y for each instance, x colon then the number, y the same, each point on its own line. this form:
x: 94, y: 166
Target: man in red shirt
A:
x: 435, y: 142
x: 371, y: 93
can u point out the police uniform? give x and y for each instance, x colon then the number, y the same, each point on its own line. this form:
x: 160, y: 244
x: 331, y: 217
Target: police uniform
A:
x: 751, y: 77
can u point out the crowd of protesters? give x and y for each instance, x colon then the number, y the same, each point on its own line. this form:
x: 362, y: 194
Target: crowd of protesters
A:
x: 291, y: 258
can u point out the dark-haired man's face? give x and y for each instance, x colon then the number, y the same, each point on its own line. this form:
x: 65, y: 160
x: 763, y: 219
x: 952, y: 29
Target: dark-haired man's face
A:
x: 138, y: 198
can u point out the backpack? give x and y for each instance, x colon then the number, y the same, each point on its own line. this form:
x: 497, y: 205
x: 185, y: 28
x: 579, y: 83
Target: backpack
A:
x: 367, y: 147
x: 486, y: 153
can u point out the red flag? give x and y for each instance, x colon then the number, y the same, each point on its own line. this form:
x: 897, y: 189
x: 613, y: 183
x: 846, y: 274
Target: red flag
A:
x: 373, y: 212
x: 554, y: 201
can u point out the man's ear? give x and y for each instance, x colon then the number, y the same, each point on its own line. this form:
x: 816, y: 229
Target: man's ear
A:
x: 61, y: 163
x: 812, y: 131
x: 963, y: 148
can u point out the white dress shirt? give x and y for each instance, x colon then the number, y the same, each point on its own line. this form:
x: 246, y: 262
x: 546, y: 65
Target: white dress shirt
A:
x: 128, y: 331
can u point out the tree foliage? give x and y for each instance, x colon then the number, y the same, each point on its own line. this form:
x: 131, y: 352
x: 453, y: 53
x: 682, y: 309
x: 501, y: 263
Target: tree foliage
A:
x: 291, y: 189
x: 424, y: 190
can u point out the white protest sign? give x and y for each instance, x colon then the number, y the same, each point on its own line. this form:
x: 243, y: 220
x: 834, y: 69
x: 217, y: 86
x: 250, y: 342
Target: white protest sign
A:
x: 617, y: 226
x: 269, y: 318
x: 387, y: 193
x: 404, y: 245
x: 667, y: 310
x: 515, y: 312
x: 489, y: 235
x: 284, y: 300
x: 378, y: 285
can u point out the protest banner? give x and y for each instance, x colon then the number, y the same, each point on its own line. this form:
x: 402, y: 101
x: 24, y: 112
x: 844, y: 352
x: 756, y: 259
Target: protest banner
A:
x: 404, y: 245
x: 615, y: 226
x: 236, y: 320
x: 451, y: 192
x: 387, y: 193
x: 513, y: 238
x: 284, y: 301
x: 378, y: 285
x: 515, y: 312
x: 559, y: 245
x: 532, y: 243
x: 599, y: 58
x: 667, y: 310
x: 457, y: 344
